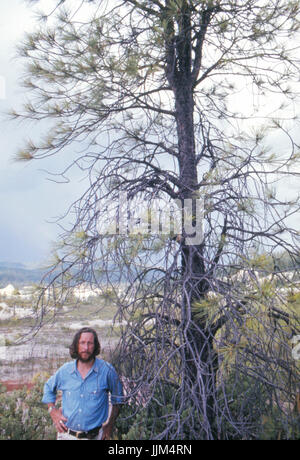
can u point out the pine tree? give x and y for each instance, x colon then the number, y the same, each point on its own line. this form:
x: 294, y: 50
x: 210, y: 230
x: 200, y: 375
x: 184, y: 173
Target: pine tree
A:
x: 145, y: 91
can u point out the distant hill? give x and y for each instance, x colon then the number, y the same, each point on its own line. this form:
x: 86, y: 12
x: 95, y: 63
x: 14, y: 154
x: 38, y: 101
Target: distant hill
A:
x: 18, y: 274
x: 12, y: 265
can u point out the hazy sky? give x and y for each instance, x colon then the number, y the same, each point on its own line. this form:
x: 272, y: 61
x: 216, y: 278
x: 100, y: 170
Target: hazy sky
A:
x: 28, y: 200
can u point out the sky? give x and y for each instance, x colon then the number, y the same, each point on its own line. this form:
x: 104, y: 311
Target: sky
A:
x: 29, y: 202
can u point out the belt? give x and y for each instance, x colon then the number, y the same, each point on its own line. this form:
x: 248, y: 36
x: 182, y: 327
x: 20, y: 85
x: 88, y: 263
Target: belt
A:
x: 91, y: 434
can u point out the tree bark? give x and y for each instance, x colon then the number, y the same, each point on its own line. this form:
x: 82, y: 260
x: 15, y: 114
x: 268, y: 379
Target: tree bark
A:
x: 199, y: 356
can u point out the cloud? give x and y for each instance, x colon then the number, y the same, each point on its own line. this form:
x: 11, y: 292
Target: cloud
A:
x: 29, y: 207
x: 27, y: 200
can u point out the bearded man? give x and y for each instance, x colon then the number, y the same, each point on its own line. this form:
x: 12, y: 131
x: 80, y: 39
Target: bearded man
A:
x: 86, y: 384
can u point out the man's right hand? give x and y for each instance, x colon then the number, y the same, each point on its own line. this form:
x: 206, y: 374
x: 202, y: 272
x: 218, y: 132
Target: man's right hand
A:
x: 59, y: 420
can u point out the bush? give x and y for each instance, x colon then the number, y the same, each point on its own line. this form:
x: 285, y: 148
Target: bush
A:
x: 245, y: 401
x: 254, y: 407
x: 23, y: 415
x: 163, y: 414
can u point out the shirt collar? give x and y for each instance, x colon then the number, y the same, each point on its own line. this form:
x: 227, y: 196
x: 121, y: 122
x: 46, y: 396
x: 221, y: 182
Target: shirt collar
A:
x: 73, y: 367
x: 94, y: 367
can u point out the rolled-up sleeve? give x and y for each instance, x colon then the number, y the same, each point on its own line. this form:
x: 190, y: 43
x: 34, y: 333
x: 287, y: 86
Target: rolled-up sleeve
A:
x: 50, y: 389
x: 115, y: 387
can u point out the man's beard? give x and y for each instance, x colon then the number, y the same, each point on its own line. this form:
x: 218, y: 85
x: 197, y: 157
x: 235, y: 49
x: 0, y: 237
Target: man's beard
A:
x: 88, y: 357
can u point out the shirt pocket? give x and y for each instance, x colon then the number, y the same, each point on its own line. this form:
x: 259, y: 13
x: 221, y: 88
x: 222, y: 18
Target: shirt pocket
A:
x: 93, y: 390
x: 93, y: 394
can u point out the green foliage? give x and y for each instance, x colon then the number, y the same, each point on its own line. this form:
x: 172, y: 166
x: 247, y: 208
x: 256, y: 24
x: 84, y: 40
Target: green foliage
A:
x: 254, y: 406
x: 133, y: 428
x: 23, y: 415
x: 247, y: 400
x: 274, y: 429
x: 145, y: 422
x: 284, y: 261
x: 294, y: 300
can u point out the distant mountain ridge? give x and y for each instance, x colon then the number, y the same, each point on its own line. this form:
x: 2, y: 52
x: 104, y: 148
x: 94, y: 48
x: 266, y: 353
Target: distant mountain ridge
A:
x: 12, y: 265
x: 19, y: 274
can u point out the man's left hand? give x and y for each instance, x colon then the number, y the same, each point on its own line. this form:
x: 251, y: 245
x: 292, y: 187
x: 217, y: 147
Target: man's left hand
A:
x: 107, y: 432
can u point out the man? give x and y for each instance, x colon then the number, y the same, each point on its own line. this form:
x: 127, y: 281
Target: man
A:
x: 85, y: 385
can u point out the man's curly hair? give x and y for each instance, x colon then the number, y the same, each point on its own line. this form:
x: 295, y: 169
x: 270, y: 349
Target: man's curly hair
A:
x: 74, y: 345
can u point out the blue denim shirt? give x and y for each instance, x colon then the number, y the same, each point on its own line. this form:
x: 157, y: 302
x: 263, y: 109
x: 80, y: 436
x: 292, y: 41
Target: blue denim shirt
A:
x: 85, y: 401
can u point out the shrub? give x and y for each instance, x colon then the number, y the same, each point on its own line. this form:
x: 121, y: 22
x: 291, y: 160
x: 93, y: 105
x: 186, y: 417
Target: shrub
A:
x: 23, y: 415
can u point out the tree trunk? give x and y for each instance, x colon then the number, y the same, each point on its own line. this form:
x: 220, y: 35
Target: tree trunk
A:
x: 198, y: 354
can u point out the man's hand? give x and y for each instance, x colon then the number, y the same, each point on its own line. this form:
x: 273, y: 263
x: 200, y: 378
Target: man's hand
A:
x: 107, y: 432
x: 59, y: 420
x: 109, y: 425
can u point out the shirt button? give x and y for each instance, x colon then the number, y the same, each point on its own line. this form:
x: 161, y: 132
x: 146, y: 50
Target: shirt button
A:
x: 79, y: 410
x: 81, y: 396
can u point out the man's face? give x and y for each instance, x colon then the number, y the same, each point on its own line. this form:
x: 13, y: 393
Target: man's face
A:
x: 86, y: 347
